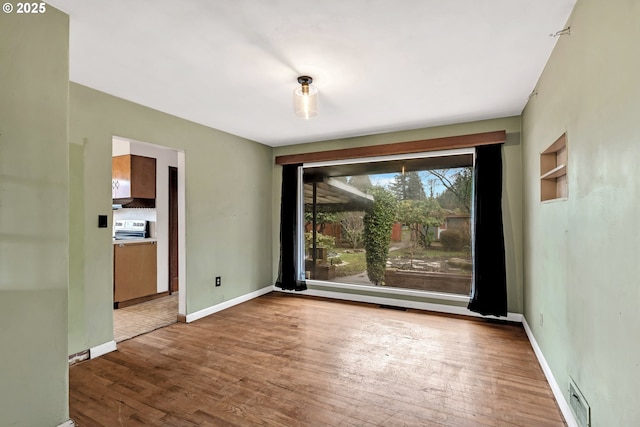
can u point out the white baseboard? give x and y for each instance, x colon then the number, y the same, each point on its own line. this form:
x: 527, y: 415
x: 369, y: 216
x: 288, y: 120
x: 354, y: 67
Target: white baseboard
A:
x: 68, y: 423
x: 101, y: 349
x: 419, y: 305
x: 227, y: 304
x: 555, y: 387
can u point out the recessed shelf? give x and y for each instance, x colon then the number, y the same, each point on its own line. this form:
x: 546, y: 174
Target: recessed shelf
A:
x: 556, y: 172
x: 553, y: 171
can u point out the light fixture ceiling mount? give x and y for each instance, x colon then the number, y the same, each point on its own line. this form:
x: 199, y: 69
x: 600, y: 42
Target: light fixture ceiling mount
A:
x: 305, y: 98
x: 305, y: 80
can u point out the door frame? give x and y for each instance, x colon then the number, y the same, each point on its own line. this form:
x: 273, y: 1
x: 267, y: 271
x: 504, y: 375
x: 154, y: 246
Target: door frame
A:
x: 174, y: 268
x: 181, y: 162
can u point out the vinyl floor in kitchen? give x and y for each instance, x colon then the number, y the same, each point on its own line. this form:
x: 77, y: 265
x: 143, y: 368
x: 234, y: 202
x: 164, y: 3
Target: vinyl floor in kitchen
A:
x: 141, y: 318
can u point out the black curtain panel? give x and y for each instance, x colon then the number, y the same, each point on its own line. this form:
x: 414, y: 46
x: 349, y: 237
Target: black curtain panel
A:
x: 287, y: 278
x: 489, y: 291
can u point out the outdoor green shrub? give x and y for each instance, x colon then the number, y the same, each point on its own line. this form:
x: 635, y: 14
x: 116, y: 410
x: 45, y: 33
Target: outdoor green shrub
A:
x: 452, y: 240
x: 428, y: 237
x: 378, y: 222
x: 322, y: 241
x: 465, y: 232
x: 322, y: 219
x: 422, y: 217
x: 336, y: 260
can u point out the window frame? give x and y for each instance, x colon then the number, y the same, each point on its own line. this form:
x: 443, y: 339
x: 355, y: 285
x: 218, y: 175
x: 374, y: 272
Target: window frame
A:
x: 300, y: 255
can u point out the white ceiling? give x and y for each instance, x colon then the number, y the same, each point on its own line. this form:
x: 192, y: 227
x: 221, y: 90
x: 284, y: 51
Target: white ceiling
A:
x: 379, y: 65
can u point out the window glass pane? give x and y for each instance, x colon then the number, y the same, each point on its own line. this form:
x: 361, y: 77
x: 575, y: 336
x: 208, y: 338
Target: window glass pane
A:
x: 424, y: 208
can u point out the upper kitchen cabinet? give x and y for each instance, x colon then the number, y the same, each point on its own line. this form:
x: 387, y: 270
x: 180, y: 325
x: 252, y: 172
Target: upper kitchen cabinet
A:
x: 133, y: 177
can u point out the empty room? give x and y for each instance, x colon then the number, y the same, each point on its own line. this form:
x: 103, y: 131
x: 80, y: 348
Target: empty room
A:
x: 358, y: 213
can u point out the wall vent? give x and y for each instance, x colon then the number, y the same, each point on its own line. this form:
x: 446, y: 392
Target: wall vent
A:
x: 392, y: 307
x: 579, y: 405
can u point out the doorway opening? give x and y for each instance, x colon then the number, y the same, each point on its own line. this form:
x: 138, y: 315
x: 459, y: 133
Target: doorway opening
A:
x: 140, y: 309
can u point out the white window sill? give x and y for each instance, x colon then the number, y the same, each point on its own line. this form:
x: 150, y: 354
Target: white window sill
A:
x: 391, y: 291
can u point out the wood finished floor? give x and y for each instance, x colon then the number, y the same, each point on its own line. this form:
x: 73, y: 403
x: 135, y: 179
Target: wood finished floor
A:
x: 289, y: 360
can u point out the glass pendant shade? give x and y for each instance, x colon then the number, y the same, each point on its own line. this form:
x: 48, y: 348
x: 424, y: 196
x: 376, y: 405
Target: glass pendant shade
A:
x: 305, y: 99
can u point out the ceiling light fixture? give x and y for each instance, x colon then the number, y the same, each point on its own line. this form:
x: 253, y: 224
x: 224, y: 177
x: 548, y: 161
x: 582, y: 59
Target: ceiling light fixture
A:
x: 305, y: 98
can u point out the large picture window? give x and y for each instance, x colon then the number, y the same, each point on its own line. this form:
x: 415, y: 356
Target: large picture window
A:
x: 396, y: 221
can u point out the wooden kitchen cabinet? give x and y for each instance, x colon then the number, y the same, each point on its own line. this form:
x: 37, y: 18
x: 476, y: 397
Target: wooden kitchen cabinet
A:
x: 135, y: 272
x: 133, y: 177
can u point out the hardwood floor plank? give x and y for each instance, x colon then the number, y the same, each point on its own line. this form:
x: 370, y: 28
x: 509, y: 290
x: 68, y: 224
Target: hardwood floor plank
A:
x: 289, y: 360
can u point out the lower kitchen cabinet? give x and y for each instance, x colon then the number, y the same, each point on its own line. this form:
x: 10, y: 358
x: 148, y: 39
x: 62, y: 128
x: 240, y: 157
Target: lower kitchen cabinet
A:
x: 135, y: 272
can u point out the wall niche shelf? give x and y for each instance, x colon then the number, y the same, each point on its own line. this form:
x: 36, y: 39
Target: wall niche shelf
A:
x: 553, y: 171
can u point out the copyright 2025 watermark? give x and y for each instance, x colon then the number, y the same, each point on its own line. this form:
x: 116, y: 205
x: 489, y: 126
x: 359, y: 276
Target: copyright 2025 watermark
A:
x: 25, y: 8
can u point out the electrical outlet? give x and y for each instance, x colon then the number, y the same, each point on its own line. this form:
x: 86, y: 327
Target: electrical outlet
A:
x: 541, y: 319
x: 218, y: 281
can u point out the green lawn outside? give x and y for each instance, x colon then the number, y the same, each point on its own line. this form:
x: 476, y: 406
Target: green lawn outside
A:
x: 352, y: 263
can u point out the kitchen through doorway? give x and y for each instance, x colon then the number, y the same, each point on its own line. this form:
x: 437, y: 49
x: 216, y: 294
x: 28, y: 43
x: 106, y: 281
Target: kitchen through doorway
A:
x: 148, y: 222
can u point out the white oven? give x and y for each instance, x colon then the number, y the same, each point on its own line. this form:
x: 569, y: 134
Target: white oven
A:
x: 130, y: 229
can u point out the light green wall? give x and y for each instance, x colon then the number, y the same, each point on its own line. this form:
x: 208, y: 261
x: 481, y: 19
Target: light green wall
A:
x: 77, y: 325
x: 33, y: 218
x: 228, y: 208
x: 512, y: 189
x: 581, y: 255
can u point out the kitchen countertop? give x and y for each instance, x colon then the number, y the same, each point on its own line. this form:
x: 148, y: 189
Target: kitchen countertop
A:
x: 126, y: 242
